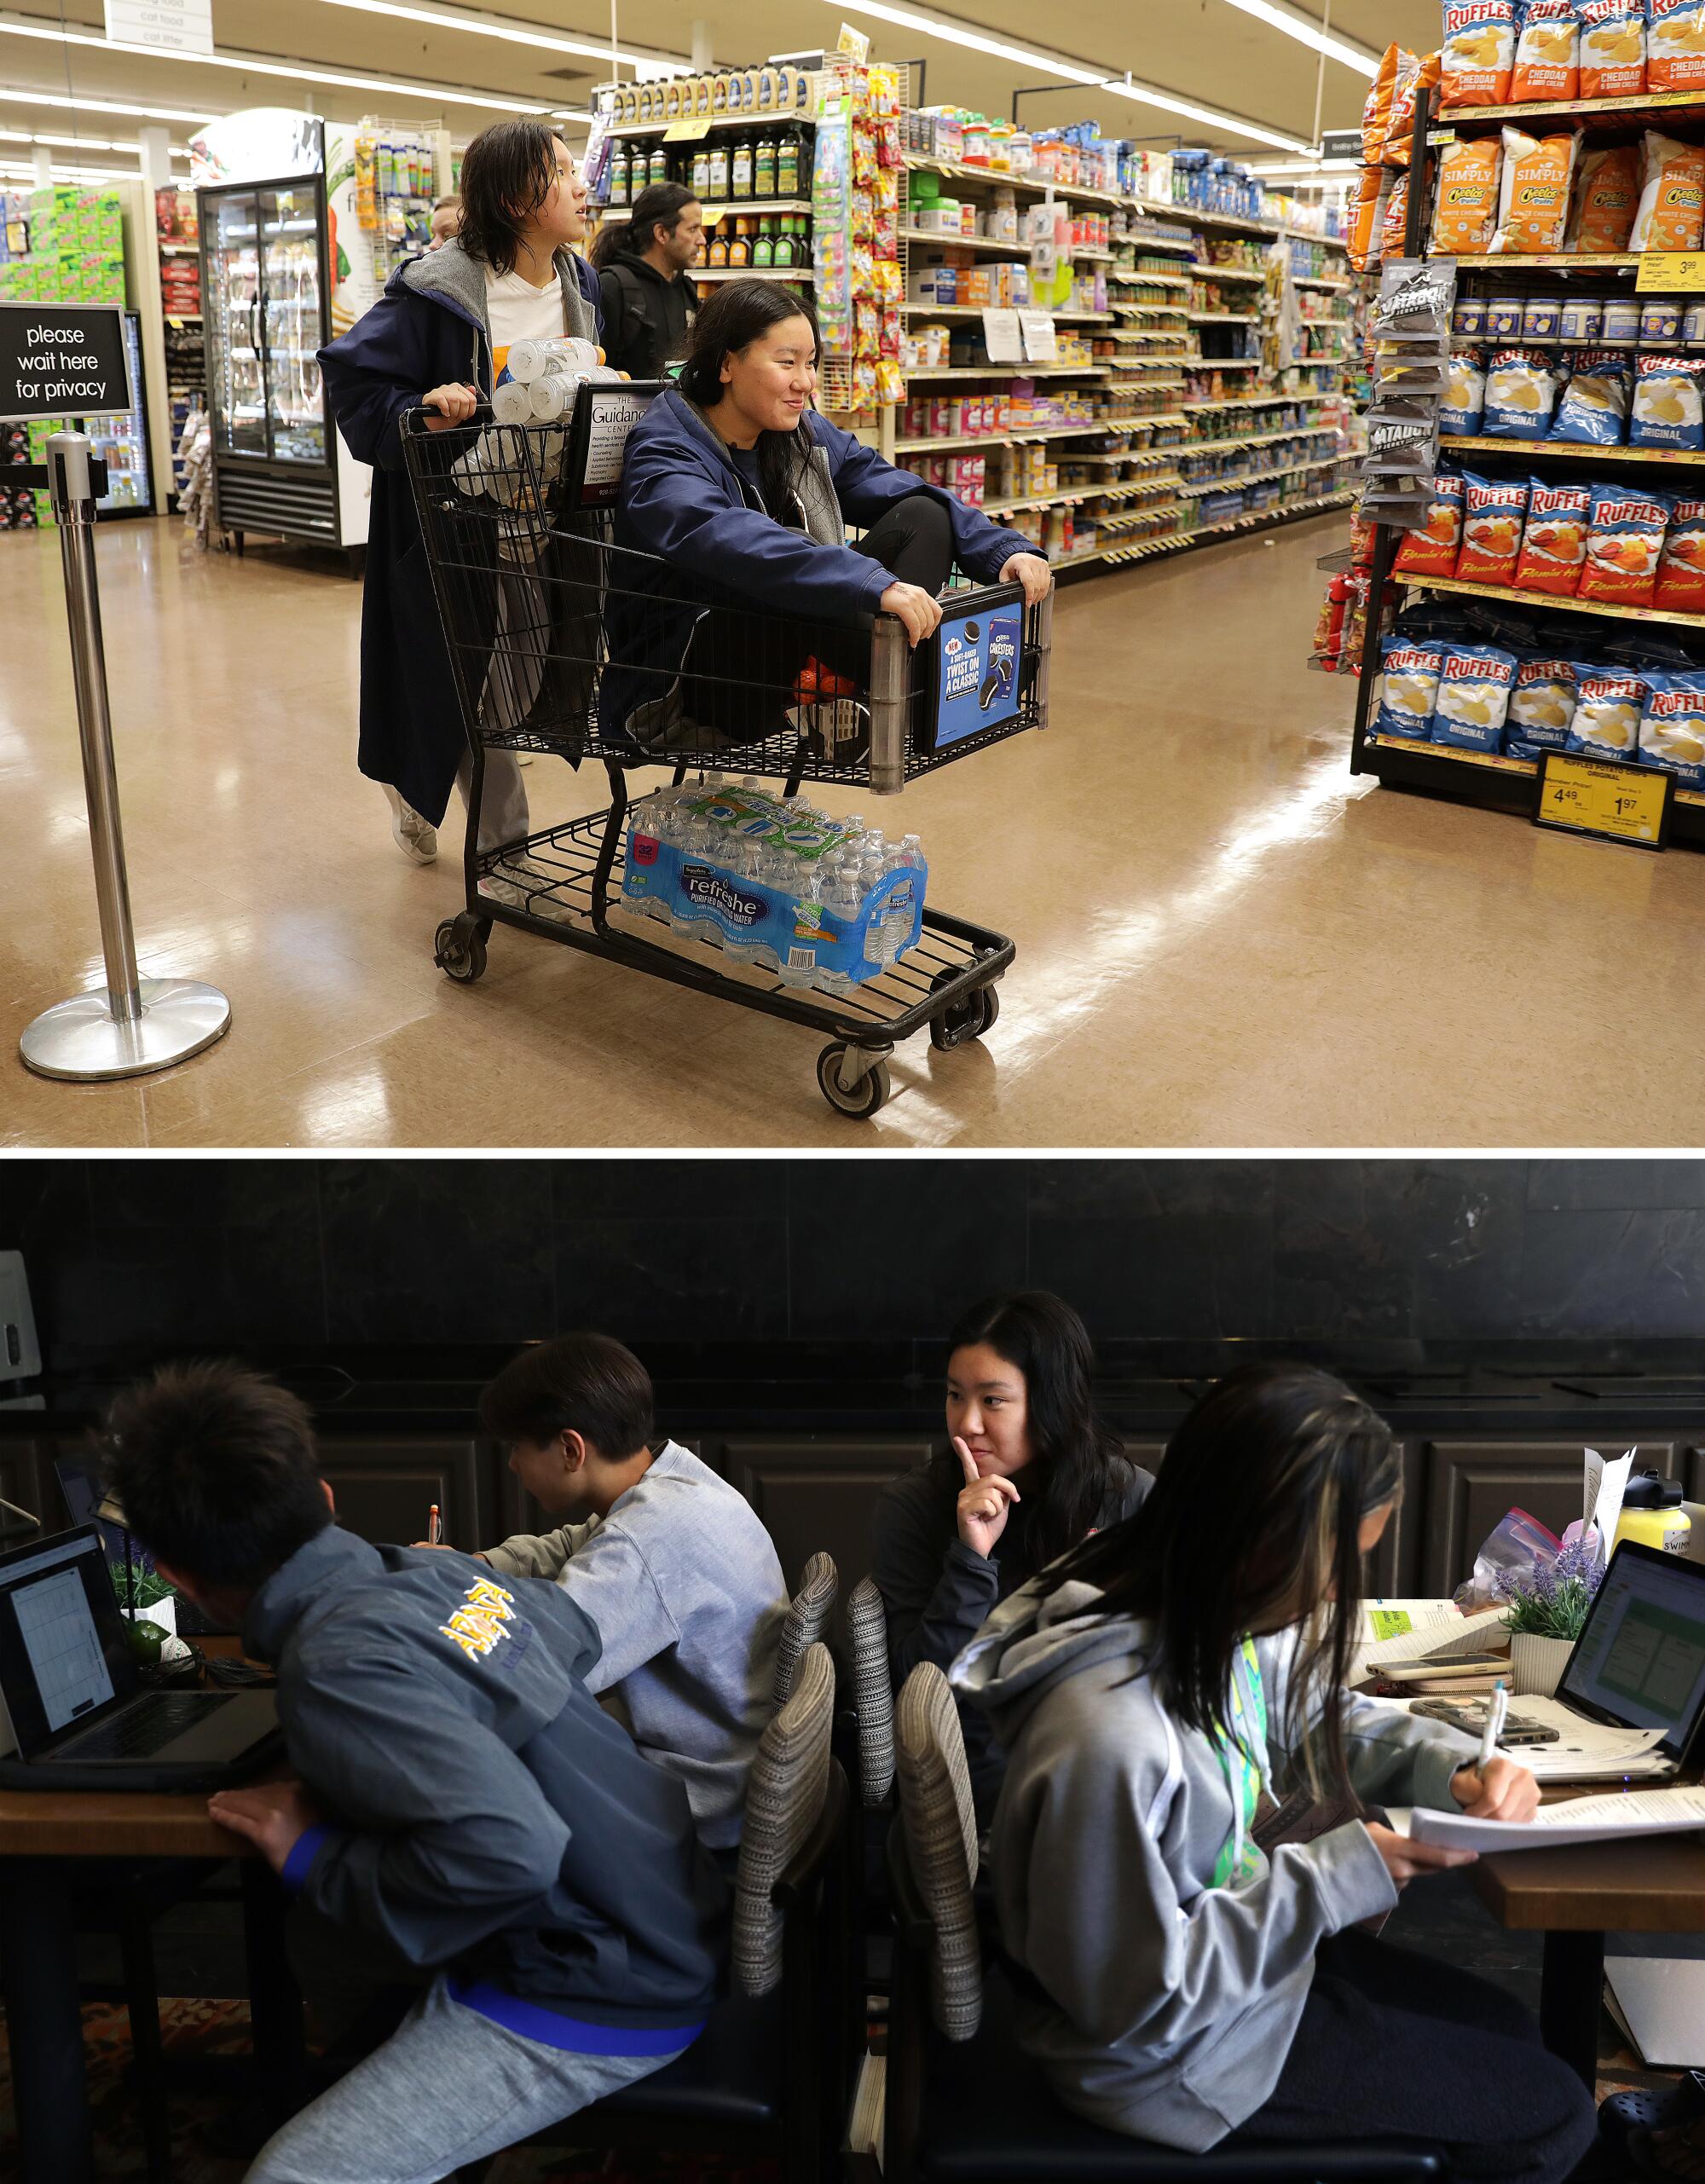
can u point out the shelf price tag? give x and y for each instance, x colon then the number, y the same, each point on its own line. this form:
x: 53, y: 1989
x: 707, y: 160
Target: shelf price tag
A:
x: 1670, y: 270
x: 689, y: 131
x: 1604, y: 798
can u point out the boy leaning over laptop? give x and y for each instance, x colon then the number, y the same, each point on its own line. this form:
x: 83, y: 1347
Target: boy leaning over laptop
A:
x: 465, y: 1807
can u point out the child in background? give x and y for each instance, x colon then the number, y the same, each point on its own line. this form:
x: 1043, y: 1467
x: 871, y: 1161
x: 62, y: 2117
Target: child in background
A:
x: 673, y: 1565
x: 1174, y: 1982
x: 467, y: 1814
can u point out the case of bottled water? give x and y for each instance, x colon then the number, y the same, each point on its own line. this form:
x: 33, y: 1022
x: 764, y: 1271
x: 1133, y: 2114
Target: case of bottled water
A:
x: 822, y: 902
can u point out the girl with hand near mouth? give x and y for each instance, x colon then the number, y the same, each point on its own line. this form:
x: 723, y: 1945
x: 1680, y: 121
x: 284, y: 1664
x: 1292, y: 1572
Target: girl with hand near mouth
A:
x: 1029, y: 1472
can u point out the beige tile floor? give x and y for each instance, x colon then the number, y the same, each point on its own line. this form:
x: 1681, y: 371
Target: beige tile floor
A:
x: 1224, y: 940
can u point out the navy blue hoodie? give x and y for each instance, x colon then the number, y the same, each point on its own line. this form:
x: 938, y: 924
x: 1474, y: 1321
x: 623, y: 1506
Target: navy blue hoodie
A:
x: 489, y: 1816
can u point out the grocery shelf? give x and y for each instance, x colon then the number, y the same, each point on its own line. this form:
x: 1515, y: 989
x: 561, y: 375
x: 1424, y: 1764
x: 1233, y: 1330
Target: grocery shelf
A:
x: 1091, y: 253
x: 987, y: 244
x: 1552, y: 261
x: 779, y: 117
x: 176, y: 250
x: 1557, y: 341
x: 1326, y: 242
x: 1069, y: 494
x: 1225, y: 363
x: 1255, y: 439
x: 1080, y: 318
x: 1571, y: 110
x: 1227, y: 223
x: 1257, y: 402
x: 1197, y: 488
x: 1016, y: 436
x: 1006, y: 371
x: 1544, y: 602
x: 1223, y: 318
x: 1154, y: 280
x: 1172, y: 245
x: 1315, y: 280
x: 738, y: 208
x: 752, y: 272
x: 1576, y: 450
x: 1257, y: 520
x: 1228, y: 272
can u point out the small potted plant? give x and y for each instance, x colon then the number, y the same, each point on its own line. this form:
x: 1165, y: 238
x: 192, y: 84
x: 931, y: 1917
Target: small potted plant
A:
x: 142, y: 1589
x: 1548, y: 1607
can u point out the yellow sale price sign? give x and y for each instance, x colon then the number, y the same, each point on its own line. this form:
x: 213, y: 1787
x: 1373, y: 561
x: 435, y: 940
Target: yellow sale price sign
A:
x: 1670, y: 269
x: 687, y: 132
x: 1597, y: 796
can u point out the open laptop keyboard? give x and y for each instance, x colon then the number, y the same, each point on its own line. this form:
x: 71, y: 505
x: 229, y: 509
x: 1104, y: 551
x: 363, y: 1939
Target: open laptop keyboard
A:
x: 140, y: 1732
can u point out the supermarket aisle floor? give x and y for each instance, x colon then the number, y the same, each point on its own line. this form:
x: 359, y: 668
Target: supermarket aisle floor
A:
x: 1222, y: 939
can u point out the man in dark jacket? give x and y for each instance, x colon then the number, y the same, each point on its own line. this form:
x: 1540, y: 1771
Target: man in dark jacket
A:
x: 436, y: 338
x: 465, y: 1810
x: 647, y: 294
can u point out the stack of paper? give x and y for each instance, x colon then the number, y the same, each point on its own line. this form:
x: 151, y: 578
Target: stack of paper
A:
x: 1582, y: 1820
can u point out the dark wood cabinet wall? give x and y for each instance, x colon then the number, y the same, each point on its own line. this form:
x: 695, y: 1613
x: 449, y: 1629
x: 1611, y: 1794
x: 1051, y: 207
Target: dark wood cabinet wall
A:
x: 818, y: 1490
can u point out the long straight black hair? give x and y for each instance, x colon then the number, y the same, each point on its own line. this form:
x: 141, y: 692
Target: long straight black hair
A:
x: 659, y: 204
x: 1078, y: 1465
x: 1253, y: 1525
x: 740, y: 313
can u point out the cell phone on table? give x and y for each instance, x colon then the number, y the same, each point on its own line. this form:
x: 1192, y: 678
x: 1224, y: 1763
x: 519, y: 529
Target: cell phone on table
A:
x: 1517, y: 1730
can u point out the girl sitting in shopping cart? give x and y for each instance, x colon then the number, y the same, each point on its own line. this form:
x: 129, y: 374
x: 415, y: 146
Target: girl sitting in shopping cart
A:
x: 742, y: 493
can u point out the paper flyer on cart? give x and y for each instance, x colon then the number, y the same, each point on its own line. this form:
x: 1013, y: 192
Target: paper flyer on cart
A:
x: 1582, y: 1820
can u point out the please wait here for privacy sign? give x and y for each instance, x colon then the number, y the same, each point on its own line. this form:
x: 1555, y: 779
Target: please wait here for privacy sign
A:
x: 62, y: 361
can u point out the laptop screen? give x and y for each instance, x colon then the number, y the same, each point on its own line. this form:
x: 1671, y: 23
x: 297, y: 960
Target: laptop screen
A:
x: 64, y: 1658
x: 80, y: 1484
x: 1640, y: 1661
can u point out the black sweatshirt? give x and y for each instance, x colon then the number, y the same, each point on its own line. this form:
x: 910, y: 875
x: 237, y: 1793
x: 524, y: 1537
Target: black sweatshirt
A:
x: 485, y: 1811
x: 937, y: 1593
x: 647, y: 317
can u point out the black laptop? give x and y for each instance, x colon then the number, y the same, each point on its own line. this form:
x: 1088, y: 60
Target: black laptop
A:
x: 73, y: 1690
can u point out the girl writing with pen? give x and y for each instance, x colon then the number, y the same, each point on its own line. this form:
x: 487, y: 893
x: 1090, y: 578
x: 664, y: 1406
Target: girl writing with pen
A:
x: 1176, y: 1981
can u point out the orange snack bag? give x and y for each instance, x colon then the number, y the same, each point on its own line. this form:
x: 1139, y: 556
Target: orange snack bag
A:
x: 1478, y: 55
x: 1613, y: 48
x: 1681, y: 571
x: 1671, y: 211
x: 1432, y: 550
x: 1465, y: 211
x: 1547, y: 53
x: 1401, y: 133
x: 1533, y: 192
x: 1606, y: 198
x: 1675, y: 45
x: 1370, y: 207
x: 1394, y: 225
x: 1376, y: 109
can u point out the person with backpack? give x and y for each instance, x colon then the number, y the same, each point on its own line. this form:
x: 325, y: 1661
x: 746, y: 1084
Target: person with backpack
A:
x: 649, y: 297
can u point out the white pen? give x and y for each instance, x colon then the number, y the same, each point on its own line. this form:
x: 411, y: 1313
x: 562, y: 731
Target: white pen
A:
x: 1497, y: 1707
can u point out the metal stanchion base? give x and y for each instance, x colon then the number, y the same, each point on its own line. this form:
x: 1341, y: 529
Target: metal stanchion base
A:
x: 83, y: 1040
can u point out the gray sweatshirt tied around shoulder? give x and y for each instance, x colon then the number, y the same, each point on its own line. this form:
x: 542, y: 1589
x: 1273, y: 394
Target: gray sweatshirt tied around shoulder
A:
x: 682, y: 1582
x: 1165, y: 2005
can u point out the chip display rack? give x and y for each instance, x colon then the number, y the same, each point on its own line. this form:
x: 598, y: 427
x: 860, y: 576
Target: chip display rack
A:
x: 1494, y: 779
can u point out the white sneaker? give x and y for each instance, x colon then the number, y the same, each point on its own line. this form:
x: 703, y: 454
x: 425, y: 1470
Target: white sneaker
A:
x: 417, y: 838
x: 509, y: 885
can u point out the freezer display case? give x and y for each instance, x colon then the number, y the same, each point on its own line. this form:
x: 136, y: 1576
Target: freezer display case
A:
x: 266, y: 304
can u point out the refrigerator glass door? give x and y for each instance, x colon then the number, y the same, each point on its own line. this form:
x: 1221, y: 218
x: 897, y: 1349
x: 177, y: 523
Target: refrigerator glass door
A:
x: 236, y: 373
x: 290, y: 245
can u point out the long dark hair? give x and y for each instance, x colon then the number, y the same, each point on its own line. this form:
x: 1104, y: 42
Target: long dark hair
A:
x: 740, y: 313
x: 1077, y: 1463
x: 507, y: 176
x: 1254, y: 1522
x: 659, y: 205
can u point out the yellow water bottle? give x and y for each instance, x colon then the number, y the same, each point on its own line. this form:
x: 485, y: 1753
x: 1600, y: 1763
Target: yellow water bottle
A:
x: 1652, y: 1515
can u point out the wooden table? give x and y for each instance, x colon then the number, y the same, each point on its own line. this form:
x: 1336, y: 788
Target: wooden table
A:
x: 1576, y: 1894
x: 48, y: 1841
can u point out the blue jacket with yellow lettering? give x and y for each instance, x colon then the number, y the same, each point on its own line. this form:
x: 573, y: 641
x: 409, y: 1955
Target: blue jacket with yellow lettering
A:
x: 488, y: 1818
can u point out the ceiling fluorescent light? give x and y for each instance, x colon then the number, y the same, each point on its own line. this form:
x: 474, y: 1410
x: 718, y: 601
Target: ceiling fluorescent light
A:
x: 10, y: 95
x: 1295, y: 24
x: 1230, y: 122
x: 910, y: 19
x: 1303, y: 167
x: 512, y: 33
x: 248, y: 64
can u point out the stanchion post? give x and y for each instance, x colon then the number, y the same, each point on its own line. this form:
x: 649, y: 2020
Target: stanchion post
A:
x: 133, y: 1023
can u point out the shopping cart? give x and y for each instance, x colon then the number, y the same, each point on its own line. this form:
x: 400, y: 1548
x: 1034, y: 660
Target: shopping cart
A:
x: 563, y: 642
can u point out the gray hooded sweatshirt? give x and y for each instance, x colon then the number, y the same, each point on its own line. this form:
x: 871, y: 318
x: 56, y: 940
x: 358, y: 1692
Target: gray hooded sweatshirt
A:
x: 682, y: 1582
x: 1163, y: 2004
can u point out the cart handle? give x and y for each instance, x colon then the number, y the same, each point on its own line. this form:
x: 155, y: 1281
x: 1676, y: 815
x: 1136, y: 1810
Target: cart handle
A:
x: 412, y: 423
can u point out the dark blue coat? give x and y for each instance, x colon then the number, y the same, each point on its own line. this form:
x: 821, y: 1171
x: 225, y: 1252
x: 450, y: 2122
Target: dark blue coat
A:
x: 428, y: 330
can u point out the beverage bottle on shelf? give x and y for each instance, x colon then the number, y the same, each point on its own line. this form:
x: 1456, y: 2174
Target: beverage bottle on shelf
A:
x: 619, y: 192
x: 793, y: 170
x: 763, y: 246
x: 740, y: 246
x: 657, y: 170
x: 700, y: 183
x: 716, y: 252
x: 740, y: 170
x: 717, y: 173
x: 764, y: 168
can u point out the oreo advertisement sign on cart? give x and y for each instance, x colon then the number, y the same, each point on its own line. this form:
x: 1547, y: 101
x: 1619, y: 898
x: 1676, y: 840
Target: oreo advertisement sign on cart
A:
x: 980, y: 656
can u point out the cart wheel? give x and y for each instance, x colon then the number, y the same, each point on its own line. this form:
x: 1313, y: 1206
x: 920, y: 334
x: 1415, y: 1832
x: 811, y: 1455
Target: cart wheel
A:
x: 968, y: 1020
x: 866, y: 1096
x: 459, y: 948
